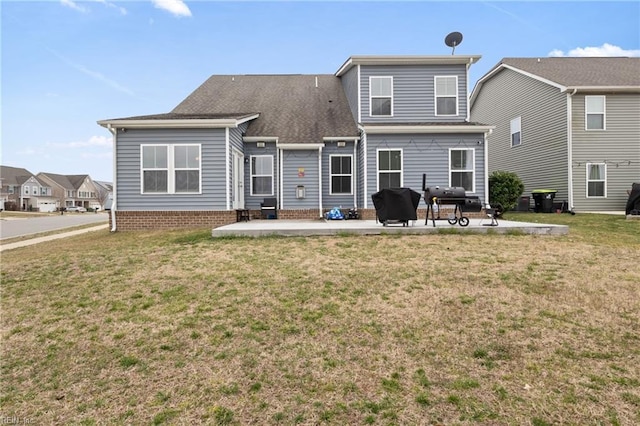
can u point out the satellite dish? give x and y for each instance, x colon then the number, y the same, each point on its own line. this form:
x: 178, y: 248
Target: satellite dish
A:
x: 452, y: 40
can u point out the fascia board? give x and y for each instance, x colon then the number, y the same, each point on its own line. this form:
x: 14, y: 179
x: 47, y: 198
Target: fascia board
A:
x: 175, y: 124
x: 372, y: 130
x: 299, y: 146
x: 626, y: 89
x: 407, y: 60
x: 340, y: 138
x: 260, y: 139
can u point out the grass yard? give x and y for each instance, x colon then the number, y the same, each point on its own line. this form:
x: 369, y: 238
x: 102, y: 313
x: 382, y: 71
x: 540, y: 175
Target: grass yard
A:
x: 179, y: 328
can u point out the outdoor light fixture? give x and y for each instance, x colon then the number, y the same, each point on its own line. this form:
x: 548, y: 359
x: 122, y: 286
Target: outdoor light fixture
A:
x: 342, y: 144
x: 260, y: 144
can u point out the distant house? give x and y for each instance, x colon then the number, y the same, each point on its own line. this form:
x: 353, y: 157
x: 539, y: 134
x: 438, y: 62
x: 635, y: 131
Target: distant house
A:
x: 22, y: 190
x: 312, y: 142
x: 105, y: 194
x: 569, y: 124
x: 73, y: 190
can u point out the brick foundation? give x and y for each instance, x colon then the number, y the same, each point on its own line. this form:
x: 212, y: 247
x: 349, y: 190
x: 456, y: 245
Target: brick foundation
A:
x: 150, y: 220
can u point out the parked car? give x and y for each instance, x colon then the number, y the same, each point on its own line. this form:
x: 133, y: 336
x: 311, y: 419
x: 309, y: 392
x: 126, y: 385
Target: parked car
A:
x: 78, y: 209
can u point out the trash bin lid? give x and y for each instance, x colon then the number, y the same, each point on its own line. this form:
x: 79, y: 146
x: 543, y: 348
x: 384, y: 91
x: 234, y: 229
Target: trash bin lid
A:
x: 543, y: 191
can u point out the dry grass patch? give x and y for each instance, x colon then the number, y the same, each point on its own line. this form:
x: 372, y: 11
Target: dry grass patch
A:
x: 157, y: 327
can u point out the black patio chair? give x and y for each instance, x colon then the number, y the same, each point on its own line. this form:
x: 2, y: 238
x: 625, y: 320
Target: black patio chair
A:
x: 269, y: 207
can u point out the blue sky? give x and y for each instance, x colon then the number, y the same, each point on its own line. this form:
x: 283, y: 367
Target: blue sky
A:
x: 66, y: 64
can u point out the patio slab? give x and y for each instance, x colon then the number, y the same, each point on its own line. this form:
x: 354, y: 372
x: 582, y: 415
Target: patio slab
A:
x: 258, y: 228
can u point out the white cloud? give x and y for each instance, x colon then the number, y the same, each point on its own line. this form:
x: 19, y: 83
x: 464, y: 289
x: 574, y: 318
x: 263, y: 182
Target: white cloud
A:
x: 122, y: 10
x: 605, y: 50
x: 175, y: 7
x: 73, y: 5
x: 93, y: 141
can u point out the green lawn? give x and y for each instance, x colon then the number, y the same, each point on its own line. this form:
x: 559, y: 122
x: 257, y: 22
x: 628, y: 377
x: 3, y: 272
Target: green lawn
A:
x: 177, y: 328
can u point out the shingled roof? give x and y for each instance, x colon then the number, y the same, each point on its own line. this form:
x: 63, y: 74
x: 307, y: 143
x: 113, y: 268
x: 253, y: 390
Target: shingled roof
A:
x: 582, y: 72
x: 293, y: 108
x: 15, y: 175
x: 67, y: 181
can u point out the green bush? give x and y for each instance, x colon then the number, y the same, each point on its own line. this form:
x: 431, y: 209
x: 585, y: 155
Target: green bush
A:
x: 505, y: 188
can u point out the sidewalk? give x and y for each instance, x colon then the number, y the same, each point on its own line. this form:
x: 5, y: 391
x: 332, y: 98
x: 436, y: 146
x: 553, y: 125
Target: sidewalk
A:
x: 37, y: 240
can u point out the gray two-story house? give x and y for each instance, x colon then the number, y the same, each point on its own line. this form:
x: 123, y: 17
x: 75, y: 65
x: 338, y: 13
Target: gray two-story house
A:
x: 312, y: 142
x: 22, y: 190
x: 566, y: 124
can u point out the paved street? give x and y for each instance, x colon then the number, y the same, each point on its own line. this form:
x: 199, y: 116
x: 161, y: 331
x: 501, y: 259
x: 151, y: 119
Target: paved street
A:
x: 21, y: 226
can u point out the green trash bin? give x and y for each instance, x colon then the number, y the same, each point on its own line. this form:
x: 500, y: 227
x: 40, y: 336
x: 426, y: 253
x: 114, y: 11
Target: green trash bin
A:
x: 543, y: 200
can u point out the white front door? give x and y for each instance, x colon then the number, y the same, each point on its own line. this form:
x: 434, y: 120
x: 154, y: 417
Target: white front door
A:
x: 238, y: 180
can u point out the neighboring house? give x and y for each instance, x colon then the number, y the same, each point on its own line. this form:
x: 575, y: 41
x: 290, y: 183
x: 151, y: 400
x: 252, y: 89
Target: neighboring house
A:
x: 22, y: 190
x: 105, y: 194
x: 311, y: 141
x: 569, y: 124
x: 73, y: 190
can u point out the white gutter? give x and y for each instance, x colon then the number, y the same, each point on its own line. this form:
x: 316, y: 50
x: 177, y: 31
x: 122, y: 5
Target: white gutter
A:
x: 227, y: 173
x: 425, y: 129
x: 320, y: 180
x: 259, y: 139
x: 339, y: 138
x: 114, y: 132
x: 405, y: 60
x: 280, y: 179
x: 627, y: 89
x: 208, y: 123
x: 364, y: 166
x: 300, y: 146
x: 570, y: 147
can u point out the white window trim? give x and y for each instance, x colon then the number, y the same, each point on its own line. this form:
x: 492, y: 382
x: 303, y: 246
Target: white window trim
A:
x: 435, y: 95
x: 251, y: 175
x: 378, y: 166
x: 604, y: 113
x: 472, y: 170
x: 586, y: 189
x: 170, y: 169
x: 331, y: 174
x: 380, y: 97
x: 515, y: 127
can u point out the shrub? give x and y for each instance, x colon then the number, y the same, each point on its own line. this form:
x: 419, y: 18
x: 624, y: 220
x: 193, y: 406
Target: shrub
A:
x: 504, y: 189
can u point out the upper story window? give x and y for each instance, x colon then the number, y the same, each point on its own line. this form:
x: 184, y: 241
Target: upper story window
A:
x: 262, y: 175
x: 381, y: 96
x: 389, y: 168
x: 595, y: 112
x: 26, y: 190
x: 43, y: 190
x: 11, y: 189
x: 516, y: 133
x: 341, y: 174
x: 462, y: 168
x: 596, y: 180
x: 170, y: 169
x: 446, y: 95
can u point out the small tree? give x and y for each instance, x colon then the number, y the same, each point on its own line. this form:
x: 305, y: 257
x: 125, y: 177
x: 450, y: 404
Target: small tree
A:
x: 505, y: 188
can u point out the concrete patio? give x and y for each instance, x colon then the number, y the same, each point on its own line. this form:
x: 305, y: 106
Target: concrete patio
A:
x: 257, y: 228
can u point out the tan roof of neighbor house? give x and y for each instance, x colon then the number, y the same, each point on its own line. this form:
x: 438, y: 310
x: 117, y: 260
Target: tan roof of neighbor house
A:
x: 293, y: 108
x: 588, y: 72
x: 67, y: 181
x: 15, y: 175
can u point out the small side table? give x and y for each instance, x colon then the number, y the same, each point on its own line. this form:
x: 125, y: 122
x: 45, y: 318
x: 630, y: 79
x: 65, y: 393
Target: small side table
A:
x: 242, y: 215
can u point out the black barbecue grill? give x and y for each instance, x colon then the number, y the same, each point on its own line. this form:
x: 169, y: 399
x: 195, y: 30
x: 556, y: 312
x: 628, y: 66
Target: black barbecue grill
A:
x: 439, y: 196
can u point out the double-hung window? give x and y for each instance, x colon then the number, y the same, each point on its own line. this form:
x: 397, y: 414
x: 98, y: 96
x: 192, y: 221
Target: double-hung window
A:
x: 381, y: 96
x: 516, y: 132
x: 446, y: 95
x: 341, y: 174
x: 171, y: 169
x: 595, y: 112
x: 389, y: 168
x: 262, y: 175
x: 596, y: 180
x: 462, y: 169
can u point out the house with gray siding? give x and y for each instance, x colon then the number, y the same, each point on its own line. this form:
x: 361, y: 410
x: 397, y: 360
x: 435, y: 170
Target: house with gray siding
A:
x: 568, y: 124
x: 313, y: 142
x: 22, y: 190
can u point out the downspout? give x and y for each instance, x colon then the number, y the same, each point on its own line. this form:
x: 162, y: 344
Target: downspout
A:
x: 227, y: 173
x: 570, y: 146
x: 354, y: 170
x: 486, y: 166
x: 114, y: 132
x: 279, y: 154
x: 468, y: 97
x: 320, y: 180
x: 364, y: 166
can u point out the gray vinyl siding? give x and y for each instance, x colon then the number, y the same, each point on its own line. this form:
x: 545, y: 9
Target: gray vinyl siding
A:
x: 292, y: 161
x: 128, y: 185
x: 250, y: 148
x: 414, y: 92
x: 336, y: 200
x: 350, y: 85
x: 618, y: 146
x: 424, y: 154
x: 541, y: 159
x: 360, y: 162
